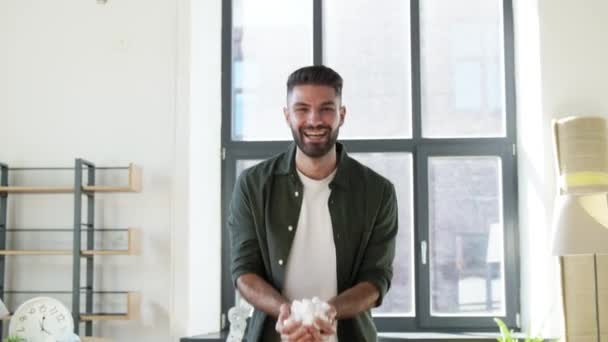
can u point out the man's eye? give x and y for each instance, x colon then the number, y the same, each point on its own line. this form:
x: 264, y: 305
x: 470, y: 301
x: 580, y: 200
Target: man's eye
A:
x: 300, y: 110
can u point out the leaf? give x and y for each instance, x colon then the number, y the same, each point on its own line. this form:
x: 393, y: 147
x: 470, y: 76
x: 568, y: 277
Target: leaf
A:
x: 14, y: 339
x: 505, y: 333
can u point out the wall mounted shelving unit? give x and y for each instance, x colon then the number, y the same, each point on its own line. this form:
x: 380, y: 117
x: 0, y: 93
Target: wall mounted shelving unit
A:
x: 83, y: 225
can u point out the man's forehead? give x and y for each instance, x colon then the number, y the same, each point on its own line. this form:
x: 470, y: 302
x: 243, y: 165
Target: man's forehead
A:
x: 313, y: 94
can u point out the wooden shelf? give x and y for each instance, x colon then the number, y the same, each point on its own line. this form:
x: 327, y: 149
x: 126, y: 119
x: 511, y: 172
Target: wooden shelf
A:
x: 131, y: 249
x: 134, y: 185
x: 105, y: 317
x: 35, y: 252
x: 133, y: 301
x: 36, y: 190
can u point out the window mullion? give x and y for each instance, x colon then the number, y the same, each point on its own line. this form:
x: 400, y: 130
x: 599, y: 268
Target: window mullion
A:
x: 227, y: 294
x: 317, y: 29
x: 421, y: 231
x: 509, y: 60
x: 415, y: 71
x: 421, y: 272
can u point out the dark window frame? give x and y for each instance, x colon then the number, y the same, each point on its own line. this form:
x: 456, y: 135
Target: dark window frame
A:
x: 420, y: 148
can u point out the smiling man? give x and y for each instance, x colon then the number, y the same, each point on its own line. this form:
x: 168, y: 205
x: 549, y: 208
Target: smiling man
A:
x: 313, y: 222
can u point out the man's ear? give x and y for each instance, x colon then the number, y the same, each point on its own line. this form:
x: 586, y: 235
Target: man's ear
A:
x: 286, y: 115
x: 342, y: 115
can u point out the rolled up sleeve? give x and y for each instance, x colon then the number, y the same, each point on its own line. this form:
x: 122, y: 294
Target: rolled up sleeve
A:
x: 377, y: 265
x: 244, y: 247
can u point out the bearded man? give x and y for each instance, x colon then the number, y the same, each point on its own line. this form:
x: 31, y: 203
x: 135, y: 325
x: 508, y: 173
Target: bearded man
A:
x: 313, y: 222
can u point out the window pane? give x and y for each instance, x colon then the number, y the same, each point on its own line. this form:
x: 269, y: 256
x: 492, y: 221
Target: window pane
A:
x: 462, y: 68
x: 373, y: 57
x: 265, y: 50
x: 397, y: 167
x: 466, y: 230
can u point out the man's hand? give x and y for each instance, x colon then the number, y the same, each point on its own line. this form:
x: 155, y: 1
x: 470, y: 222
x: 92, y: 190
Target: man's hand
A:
x: 291, y: 331
x: 327, y: 327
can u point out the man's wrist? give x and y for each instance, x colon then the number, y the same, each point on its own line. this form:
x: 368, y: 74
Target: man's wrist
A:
x: 278, y: 308
x: 332, y: 313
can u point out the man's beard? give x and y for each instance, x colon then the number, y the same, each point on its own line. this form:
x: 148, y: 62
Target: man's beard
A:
x: 315, y: 150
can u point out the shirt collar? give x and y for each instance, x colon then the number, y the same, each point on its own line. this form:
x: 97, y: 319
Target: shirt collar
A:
x: 287, y: 165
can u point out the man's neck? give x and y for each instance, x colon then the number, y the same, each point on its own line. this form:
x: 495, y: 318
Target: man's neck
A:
x: 316, y: 168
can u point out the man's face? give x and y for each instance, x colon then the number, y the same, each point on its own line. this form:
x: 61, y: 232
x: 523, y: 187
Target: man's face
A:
x: 314, y: 114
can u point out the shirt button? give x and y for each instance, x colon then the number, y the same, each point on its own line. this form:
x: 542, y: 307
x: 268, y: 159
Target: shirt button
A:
x: 281, y: 262
x: 296, y: 194
x: 290, y: 228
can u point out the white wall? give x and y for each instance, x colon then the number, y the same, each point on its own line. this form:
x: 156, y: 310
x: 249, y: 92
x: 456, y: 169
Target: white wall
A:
x: 196, y: 236
x: 561, y: 70
x: 205, y: 166
x: 540, y: 291
x: 112, y: 83
x: 78, y: 79
x: 574, y: 54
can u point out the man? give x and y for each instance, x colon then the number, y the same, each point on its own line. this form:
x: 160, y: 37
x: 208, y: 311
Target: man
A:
x: 313, y: 222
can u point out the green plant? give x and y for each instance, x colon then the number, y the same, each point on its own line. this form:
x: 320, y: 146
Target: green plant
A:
x: 506, y: 335
x: 14, y: 339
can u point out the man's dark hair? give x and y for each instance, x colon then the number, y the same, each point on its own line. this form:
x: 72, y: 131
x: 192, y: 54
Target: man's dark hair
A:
x: 315, y: 75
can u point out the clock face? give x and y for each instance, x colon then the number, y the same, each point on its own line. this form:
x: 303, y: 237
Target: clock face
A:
x: 41, y: 319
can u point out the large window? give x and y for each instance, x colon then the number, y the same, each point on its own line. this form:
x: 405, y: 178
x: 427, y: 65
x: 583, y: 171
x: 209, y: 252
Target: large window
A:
x: 429, y: 91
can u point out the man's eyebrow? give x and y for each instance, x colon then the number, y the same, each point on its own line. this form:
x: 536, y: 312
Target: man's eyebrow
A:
x: 301, y: 104
x: 326, y: 103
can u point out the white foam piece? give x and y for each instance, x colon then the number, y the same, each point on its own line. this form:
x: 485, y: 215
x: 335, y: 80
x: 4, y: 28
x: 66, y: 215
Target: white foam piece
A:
x: 308, y: 310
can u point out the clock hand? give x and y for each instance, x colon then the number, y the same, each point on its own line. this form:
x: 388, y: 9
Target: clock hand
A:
x: 42, y: 326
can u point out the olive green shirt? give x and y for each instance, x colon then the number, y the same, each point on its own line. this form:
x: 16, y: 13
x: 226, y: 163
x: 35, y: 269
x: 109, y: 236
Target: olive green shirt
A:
x: 363, y: 207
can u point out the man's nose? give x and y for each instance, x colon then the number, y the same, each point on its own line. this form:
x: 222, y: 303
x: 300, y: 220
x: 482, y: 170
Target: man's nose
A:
x: 314, y: 117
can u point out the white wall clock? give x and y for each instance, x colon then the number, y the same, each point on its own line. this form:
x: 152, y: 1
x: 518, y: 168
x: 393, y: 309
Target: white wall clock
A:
x: 41, y: 319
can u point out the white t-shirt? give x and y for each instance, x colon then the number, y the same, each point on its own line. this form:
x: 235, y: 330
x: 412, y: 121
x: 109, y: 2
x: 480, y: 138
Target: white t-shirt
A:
x: 311, y: 267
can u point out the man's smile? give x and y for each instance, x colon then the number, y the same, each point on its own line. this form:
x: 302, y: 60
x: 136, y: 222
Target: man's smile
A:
x: 316, y: 135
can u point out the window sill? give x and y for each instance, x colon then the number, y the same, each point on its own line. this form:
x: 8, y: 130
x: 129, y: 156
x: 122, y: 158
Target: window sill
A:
x: 393, y: 337
x: 444, y: 337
